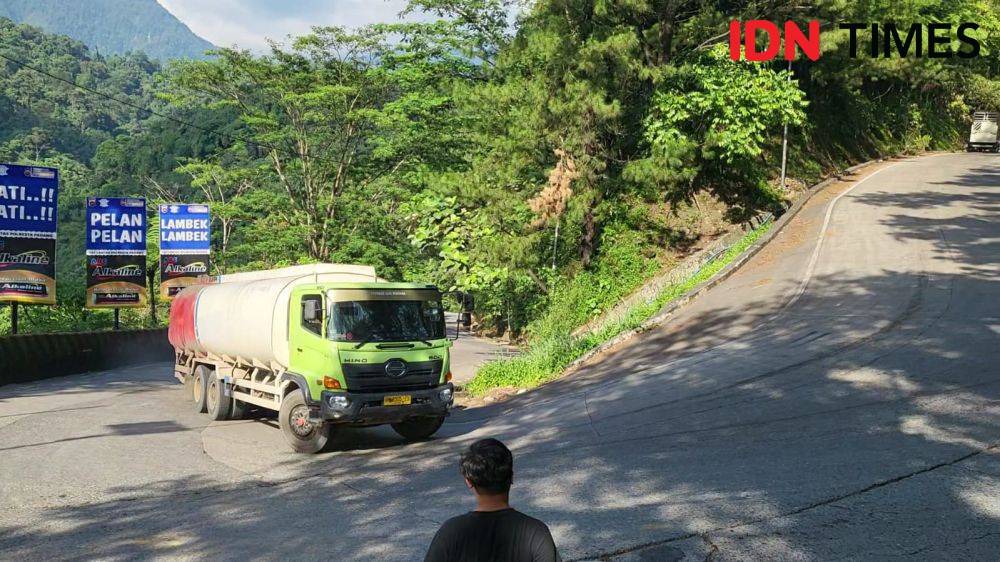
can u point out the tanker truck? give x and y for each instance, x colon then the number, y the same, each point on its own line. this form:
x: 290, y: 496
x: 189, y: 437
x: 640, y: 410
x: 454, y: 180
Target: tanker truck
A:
x: 325, y: 346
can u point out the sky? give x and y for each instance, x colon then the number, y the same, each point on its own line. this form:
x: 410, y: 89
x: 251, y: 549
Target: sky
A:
x: 249, y: 23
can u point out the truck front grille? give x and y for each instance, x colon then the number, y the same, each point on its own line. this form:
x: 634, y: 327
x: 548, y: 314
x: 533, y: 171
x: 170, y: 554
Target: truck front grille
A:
x: 373, y: 378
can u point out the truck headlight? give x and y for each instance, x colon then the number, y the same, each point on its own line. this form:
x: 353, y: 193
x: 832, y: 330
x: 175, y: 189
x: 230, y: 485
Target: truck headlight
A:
x: 338, y: 402
x: 445, y: 395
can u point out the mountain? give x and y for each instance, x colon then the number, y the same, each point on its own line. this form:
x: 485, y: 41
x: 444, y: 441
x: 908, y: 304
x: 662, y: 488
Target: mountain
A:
x: 40, y: 115
x: 112, y: 26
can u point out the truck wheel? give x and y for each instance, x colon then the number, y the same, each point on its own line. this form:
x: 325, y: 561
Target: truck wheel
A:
x: 199, y: 387
x: 302, y: 435
x: 418, y: 428
x: 216, y: 401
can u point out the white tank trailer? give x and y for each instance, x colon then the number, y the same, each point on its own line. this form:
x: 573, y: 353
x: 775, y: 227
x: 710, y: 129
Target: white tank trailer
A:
x: 245, y: 315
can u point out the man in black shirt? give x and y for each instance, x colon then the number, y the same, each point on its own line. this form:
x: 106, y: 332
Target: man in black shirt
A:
x: 494, y: 532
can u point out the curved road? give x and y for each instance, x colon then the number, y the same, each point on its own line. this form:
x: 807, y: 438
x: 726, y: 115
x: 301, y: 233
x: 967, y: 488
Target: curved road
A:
x: 837, y: 398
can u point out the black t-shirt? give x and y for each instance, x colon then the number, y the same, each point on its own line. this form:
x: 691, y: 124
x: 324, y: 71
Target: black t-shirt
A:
x: 493, y: 536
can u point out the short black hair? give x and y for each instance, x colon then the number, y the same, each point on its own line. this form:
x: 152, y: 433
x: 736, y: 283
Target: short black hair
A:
x: 489, y: 466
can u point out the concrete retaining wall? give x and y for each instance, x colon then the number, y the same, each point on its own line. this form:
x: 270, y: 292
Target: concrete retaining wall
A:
x: 31, y: 357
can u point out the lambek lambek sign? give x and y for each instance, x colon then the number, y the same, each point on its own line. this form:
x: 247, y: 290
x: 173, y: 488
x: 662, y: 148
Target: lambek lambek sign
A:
x: 116, y: 252
x: 29, y: 198
x: 185, y: 246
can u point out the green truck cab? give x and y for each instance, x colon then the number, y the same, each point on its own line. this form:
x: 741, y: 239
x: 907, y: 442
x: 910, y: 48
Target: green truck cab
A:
x: 369, y: 354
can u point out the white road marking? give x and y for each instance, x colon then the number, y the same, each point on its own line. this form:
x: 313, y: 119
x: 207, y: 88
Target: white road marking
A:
x: 814, y: 259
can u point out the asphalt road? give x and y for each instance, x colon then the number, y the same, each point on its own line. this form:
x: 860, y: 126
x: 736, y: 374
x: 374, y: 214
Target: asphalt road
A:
x: 469, y: 352
x: 835, y: 399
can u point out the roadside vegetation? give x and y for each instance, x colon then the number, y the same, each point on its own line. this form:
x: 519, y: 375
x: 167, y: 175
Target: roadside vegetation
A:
x: 546, y: 159
x: 551, y: 353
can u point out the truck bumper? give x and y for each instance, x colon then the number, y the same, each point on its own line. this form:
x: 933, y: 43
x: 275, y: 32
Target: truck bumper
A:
x: 989, y: 146
x: 367, y: 408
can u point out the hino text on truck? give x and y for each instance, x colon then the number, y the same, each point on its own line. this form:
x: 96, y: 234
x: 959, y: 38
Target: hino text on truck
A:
x: 984, y: 133
x: 324, y: 345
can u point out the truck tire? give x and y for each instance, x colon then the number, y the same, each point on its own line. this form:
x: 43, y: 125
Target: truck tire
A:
x: 418, y: 428
x: 302, y: 435
x: 199, y: 387
x: 217, y: 402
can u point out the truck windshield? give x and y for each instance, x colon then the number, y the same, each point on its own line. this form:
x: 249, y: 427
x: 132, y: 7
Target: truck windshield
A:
x: 386, y: 321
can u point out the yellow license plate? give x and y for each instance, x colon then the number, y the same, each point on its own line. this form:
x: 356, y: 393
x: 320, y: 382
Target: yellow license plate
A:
x: 396, y: 400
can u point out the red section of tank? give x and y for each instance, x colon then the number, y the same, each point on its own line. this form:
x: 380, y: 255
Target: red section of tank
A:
x: 182, y: 320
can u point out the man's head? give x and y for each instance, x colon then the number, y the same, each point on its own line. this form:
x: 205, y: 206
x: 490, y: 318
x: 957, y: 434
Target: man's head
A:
x: 488, y: 467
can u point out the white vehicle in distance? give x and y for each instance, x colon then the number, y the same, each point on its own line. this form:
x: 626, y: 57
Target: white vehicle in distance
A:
x: 983, y: 136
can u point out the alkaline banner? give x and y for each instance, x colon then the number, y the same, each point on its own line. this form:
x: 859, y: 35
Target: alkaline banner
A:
x: 185, y: 246
x: 28, y: 209
x: 116, y: 252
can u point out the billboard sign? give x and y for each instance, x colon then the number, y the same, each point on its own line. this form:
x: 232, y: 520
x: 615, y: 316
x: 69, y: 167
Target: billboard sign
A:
x: 116, y: 252
x: 29, y: 197
x: 185, y: 246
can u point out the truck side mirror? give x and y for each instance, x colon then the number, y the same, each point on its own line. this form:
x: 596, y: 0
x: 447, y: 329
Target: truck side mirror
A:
x: 310, y: 310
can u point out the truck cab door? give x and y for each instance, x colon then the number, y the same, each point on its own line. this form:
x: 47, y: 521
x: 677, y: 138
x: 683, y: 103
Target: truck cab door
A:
x: 310, y: 353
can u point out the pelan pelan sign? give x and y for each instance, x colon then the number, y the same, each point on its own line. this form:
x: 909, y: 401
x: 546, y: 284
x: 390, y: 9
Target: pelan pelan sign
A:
x: 116, y: 252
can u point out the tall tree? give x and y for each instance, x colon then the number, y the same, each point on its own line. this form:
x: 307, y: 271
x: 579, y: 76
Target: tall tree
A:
x: 336, y: 115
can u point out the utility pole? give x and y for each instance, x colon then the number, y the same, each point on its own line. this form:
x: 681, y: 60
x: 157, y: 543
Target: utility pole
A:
x: 784, y: 141
x: 117, y: 318
x: 555, y: 244
x: 13, y: 318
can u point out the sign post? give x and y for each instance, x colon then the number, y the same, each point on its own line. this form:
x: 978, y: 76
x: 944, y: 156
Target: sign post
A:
x: 185, y: 246
x: 29, y: 198
x: 116, y: 253
x: 151, y: 287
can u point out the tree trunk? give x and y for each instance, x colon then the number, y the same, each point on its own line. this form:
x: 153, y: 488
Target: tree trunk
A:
x: 226, y: 231
x: 667, y: 31
x: 539, y: 282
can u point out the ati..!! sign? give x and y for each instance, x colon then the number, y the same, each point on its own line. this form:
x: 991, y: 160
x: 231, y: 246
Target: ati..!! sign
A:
x: 116, y: 252
x: 29, y: 198
x: 185, y: 246
x: 933, y: 40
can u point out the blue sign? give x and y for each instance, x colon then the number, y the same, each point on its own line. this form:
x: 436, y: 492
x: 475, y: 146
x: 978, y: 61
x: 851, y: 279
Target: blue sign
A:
x: 28, y: 200
x: 185, y: 229
x: 116, y: 226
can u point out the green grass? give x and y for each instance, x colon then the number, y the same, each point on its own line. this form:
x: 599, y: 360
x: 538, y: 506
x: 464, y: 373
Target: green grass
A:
x: 547, y: 357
